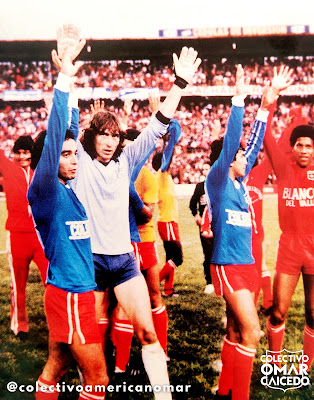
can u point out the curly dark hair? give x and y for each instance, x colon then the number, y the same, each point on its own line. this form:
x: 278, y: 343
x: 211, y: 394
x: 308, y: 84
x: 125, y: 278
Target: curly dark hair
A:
x: 301, y: 131
x: 101, y: 122
x: 23, y: 143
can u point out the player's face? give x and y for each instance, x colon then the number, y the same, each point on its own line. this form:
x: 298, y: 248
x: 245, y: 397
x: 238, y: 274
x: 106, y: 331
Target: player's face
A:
x: 239, y: 164
x: 68, y: 161
x: 303, y: 151
x: 106, y: 144
x: 206, y: 168
x: 23, y: 158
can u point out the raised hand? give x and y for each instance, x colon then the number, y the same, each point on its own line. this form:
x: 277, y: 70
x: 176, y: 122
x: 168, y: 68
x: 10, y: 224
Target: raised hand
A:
x: 68, y: 40
x: 154, y: 100
x: 69, y: 46
x: 241, y: 83
x: 187, y: 64
x: 269, y: 97
x: 97, y: 107
x: 127, y: 106
x: 56, y: 60
x: 282, y: 79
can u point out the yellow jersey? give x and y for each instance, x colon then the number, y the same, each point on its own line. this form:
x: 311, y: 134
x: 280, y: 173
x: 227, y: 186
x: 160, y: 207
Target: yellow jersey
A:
x: 146, y: 187
x: 167, y: 201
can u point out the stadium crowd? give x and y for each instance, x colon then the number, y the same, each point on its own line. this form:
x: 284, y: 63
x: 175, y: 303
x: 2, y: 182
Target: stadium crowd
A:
x: 116, y: 75
x: 201, y: 122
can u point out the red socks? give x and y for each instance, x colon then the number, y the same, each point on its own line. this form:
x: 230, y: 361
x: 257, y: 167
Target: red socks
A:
x: 275, y: 336
x: 167, y: 274
x: 266, y: 288
x: 242, y: 372
x: 123, y: 334
x: 47, y: 394
x: 308, y: 345
x: 160, y: 319
x: 226, y: 376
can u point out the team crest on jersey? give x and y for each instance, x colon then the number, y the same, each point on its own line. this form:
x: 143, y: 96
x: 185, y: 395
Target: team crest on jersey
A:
x: 78, y: 230
x: 238, y: 218
x: 310, y: 175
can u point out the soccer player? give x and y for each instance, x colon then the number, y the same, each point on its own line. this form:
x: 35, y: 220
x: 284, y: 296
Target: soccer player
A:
x: 143, y: 197
x: 295, y: 176
x: 232, y: 273
x: 255, y: 182
x: 168, y: 227
x: 254, y: 185
x: 197, y: 206
x: 23, y: 245
x: 63, y: 226
x: 102, y: 185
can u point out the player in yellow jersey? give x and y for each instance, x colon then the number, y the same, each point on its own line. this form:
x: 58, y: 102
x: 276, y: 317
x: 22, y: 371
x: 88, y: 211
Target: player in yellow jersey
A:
x: 168, y: 210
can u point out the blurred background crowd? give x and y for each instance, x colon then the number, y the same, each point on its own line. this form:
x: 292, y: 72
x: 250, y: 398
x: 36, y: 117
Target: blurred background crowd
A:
x: 203, y: 119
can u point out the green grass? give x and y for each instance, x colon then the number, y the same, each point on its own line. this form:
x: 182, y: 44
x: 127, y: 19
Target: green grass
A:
x: 195, y: 329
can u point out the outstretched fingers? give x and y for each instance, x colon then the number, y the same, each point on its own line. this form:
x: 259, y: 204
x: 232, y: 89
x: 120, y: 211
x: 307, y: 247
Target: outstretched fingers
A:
x: 187, y: 63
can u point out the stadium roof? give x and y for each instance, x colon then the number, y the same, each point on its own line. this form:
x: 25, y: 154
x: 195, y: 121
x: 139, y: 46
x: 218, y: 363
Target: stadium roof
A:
x: 161, y: 49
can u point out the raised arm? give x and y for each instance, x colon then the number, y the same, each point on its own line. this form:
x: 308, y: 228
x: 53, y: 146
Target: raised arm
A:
x: 231, y: 144
x: 45, y: 180
x: 185, y: 67
x: 5, y: 164
x: 282, y: 79
x: 175, y: 134
x: 73, y: 122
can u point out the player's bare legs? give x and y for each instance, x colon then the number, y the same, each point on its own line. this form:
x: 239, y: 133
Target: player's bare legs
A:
x: 284, y: 286
x: 243, y: 334
x: 90, y: 360
x: 283, y: 289
x: 58, y: 362
x: 133, y: 297
x: 151, y: 276
x: 242, y: 319
x: 123, y: 330
x: 102, y: 302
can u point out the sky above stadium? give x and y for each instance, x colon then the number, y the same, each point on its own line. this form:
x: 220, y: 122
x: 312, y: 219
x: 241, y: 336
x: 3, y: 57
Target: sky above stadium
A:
x: 103, y: 19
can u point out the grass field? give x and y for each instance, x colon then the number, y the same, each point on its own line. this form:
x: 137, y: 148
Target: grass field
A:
x: 195, y: 328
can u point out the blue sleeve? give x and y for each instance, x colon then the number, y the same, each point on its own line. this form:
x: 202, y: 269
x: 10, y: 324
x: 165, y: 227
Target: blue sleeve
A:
x: 219, y: 171
x: 139, y: 166
x: 175, y: 133
x: 74, y: 126
x: 254, y: 145
x: 45, y: 182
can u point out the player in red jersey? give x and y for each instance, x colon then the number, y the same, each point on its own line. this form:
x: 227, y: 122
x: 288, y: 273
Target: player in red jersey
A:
x: 23, y: 245
x: 295, y: 177
x: 254, y: 184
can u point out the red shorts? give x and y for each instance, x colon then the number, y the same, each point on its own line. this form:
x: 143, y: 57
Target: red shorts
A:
x: 71, y: 312
x: 146, y: 254
x: 296, y: 254
x: 168, y: 231
x: 230, y: 278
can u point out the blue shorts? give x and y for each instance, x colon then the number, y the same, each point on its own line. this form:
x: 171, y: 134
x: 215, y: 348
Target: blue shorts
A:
x: 111, y: 271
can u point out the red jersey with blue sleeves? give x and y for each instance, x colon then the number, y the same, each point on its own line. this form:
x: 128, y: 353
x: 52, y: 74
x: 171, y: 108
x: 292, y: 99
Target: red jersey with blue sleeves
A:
x: 228, y: 201
x: 59, y: 216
